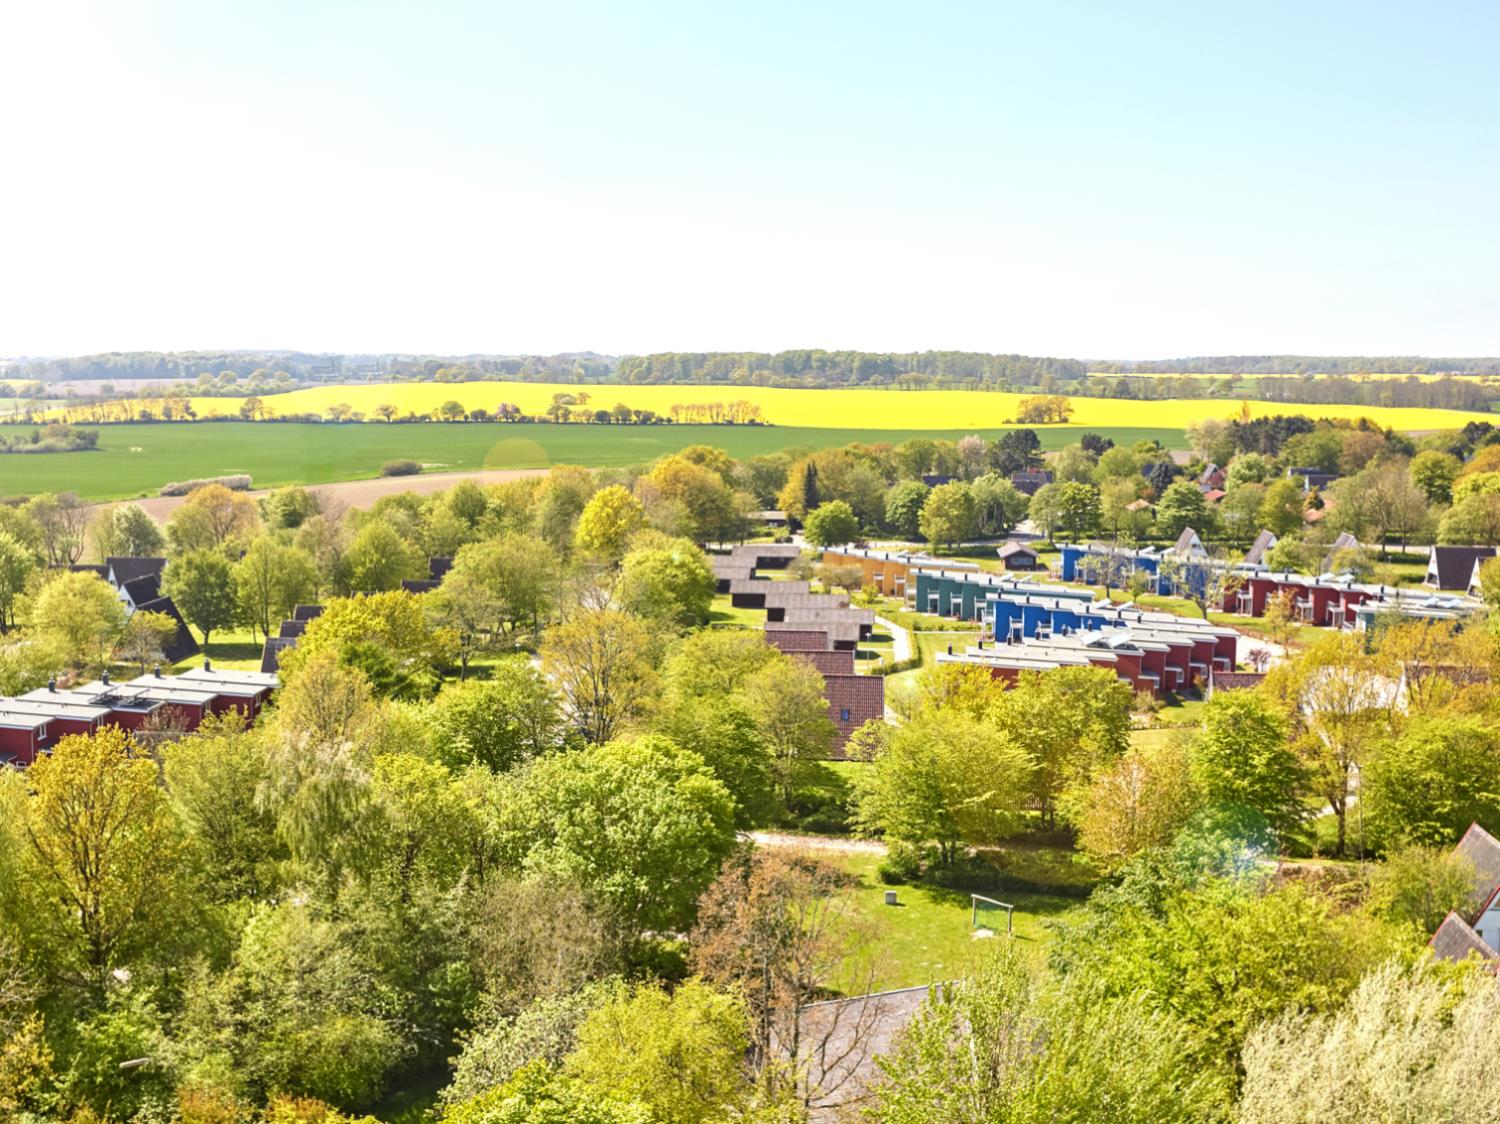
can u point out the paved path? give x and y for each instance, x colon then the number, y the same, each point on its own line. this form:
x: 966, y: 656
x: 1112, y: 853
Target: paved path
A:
x: 900, y: 639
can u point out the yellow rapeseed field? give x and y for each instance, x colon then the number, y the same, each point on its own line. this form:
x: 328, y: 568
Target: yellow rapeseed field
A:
x: 841, y: 408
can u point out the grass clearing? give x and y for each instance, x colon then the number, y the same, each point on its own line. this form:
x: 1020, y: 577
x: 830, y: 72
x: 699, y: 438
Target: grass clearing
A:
x: 928, y: 937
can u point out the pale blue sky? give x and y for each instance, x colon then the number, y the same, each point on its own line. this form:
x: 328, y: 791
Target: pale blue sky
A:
x: 1094, y: 180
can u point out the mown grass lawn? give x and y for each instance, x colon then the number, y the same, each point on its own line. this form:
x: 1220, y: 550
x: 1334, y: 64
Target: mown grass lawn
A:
x: 929, y: 937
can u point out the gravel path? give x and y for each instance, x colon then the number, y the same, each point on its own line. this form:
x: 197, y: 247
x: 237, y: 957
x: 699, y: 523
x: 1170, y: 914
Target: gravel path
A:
x: 817, y: 843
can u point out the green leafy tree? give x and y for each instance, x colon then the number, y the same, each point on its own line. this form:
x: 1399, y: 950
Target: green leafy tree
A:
x: 201, y: 584
x: 601, y: 661
x: 298, y: 1010
x: 500, y: 722
x: 679, y: 1053
x: 17, y: 561
x: 212, y: 518
x: 831, y: 524
x: 524, y: 575
x: 944, y: 778
x: 1068, y: 722
x: 535, y: 1094
x: 393, y: 625
x: 1431, y: 781
x: 786, y: 699
x: 903, y: 508
x: 1045, y: 509
x: 378, y: 560
x: 1281, y: 507
x: 80, y: 616
x: 1181, y: 506
x: 270, y: 580
x: 609, y: 520
x: 1409, y: 1044
x: 667, y: 580
x: 1243, y: 756
x: 127, y: 531
x: 145, y: 638
x: 1078, y: 510
x: 998, y: 505
x: 948, y: 516
x: 643, y: 825
x: 105, y: 860
x: 1006, y: 1046
x: 1135, y: 803
x: 1434, y: 472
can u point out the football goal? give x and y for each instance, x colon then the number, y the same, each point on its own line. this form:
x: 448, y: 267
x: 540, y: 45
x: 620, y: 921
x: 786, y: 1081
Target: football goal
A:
x: 985, y: 916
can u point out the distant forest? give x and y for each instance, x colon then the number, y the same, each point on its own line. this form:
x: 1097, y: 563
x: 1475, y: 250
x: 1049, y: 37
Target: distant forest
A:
x: 1300, y: 365
x: 1464, y: 384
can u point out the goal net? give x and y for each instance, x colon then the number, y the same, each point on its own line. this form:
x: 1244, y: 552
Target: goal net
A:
x: 985, y: 915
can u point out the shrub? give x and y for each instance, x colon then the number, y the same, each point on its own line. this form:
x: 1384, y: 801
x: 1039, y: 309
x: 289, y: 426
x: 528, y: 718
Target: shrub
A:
x: 903, y: 863
x: 400, y: 468
x: 236, y: 483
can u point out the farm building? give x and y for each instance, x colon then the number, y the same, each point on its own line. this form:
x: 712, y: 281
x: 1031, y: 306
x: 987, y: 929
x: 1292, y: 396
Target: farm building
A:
x: 1456, y: 568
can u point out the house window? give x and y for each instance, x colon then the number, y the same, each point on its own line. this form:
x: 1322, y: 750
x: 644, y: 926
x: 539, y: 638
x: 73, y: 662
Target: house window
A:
x: 844, y: 714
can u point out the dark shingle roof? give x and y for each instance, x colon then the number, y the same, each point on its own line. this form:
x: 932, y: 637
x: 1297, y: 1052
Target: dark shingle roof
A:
x: 1456, y: 940
x: 182, y: 644
x: 438, y: 566
x: 140, y: 590
x: 1257, y: 552
x: 84, y: 568
x: 307, y: 612
x: 1455, y: 564
x: 129, y: 569
x: 419, y: 585
x: 839, y: 662
x: 290, y: 630
x: 270, y: 656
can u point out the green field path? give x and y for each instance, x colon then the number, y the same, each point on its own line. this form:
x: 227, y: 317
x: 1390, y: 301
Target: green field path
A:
x: 136, y: 459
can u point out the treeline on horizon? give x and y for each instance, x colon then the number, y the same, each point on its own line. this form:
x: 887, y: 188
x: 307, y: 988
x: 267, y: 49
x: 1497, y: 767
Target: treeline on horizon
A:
x: 1324, y: 380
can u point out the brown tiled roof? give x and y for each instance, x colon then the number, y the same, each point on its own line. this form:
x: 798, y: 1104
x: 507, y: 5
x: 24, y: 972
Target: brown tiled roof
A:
x: 1456, y: 940
x: 798, y: 639
x: 839, y: 662
x: 1236, y: 680
x: 862, y: 697
x: 1483, y: 851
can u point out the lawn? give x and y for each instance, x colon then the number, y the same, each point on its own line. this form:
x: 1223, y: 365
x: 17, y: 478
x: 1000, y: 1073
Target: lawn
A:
x: 137, y: 459
x: 855, y: 406
x: 928, y: 937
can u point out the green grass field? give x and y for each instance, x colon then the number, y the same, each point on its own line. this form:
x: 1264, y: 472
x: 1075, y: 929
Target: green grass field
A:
x: 928, y: 937
x: 136, y: 459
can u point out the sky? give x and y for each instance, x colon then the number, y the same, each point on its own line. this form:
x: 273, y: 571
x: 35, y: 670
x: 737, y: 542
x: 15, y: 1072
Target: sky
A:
x: 1106, y: 180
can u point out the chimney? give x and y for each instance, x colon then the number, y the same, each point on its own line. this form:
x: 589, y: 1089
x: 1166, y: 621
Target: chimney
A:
x: 207, y: 664
x: 950, y: 649
x: 156, y: 671
x: 52, y: 683
x: 104, y: 679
